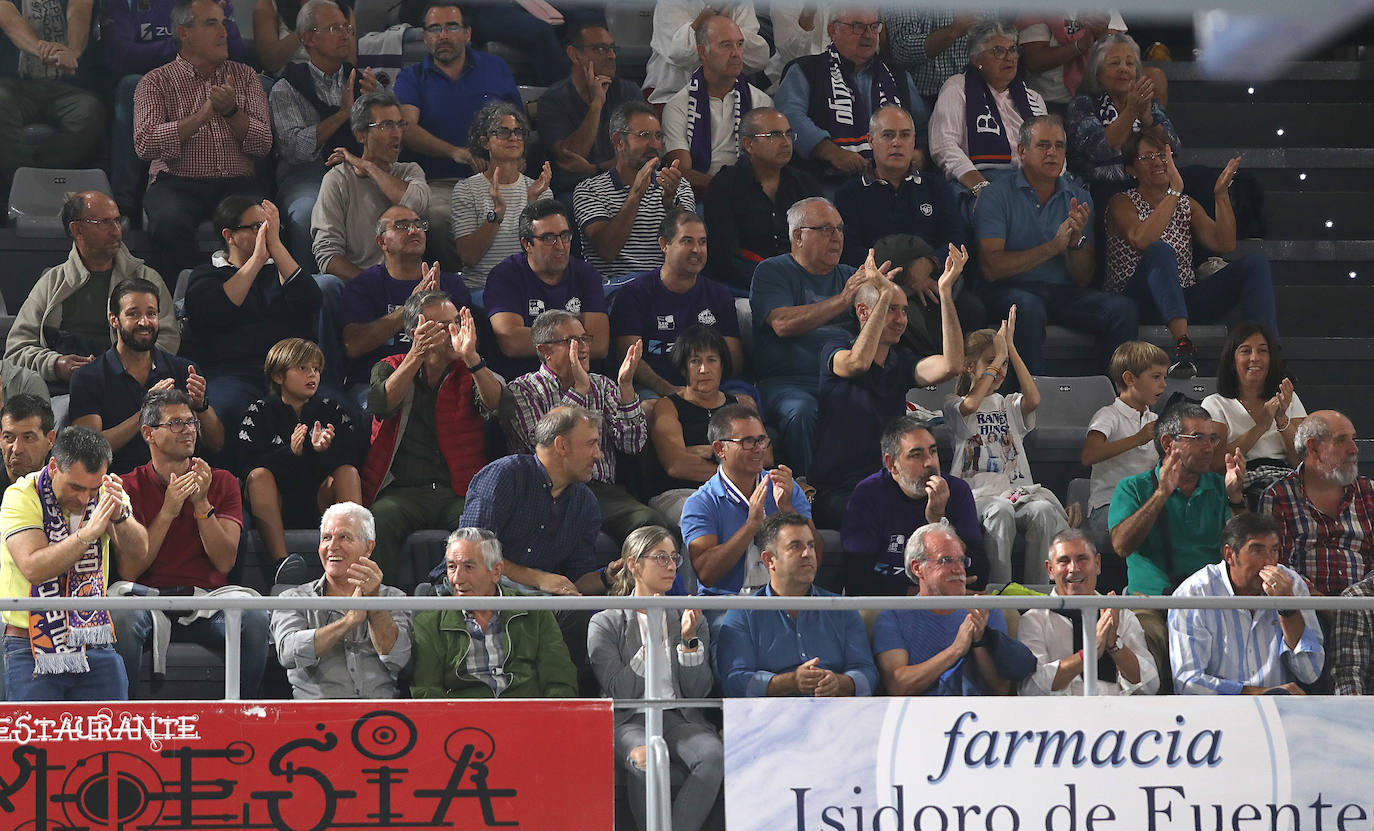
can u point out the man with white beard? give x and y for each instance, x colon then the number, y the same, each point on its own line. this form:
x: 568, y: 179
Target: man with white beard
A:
x: 1324, y: 508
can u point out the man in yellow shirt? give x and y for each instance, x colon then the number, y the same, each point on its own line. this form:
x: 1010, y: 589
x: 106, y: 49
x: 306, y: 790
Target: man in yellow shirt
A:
x: 58, y: 527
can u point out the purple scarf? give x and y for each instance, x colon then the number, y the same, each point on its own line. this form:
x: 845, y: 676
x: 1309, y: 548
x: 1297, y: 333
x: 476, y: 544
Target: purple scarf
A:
x: 59, y: 639
x: 699, y: 116
x: 846, y: 118
x: 989, y: 146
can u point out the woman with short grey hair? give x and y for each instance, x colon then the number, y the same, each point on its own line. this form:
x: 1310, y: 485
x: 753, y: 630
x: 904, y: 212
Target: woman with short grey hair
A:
x: 1118, y: 99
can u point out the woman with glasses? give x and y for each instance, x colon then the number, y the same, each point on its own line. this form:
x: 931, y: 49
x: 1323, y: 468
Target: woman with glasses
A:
x: 1119, y: 99
x: 1151, y: 231
x: 249, y: 296
x: 485, y: 207
x: 616, y: 643
x: 979, y: 112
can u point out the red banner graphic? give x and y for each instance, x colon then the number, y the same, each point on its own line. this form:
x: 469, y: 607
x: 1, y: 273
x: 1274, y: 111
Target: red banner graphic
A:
x: 306, y: 766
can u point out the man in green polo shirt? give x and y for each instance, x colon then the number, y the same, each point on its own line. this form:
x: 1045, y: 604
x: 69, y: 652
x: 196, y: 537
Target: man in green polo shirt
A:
x: 1167, y: 522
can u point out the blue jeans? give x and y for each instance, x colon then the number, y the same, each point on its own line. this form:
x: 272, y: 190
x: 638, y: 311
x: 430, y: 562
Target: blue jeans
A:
x: 789, y: 403
x: 296, y: 195
x: 133, y: 628
x: 1245, y: 283
x: 104, y: 681
x: 127, y: 170
x: 1110, y: 318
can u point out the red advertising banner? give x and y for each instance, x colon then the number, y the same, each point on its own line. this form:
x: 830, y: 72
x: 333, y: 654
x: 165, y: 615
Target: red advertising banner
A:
x: 306, y: 766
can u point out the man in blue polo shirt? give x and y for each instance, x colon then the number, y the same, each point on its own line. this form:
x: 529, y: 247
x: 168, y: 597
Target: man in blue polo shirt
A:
x: 776, y: 653
x: 658, y: 305
x: 1035, y: 243
x: 107, y: 393
x: 439, y: 97
x: 544, y: 276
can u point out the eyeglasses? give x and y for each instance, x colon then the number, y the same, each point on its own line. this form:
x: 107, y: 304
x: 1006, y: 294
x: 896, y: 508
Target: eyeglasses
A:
x: 1210, y: 438
x: 585, y: 340
x: 180, y: 425
x: 828, y: 230
x: 504, y: 133
x: 1000, y: 52
x: 776, y: 135
x: 1057, y: 146
x: 1152, y: 157
x: 405, y: 226
x: 335, y: 28
x: 644, y: 135
x: 751, y: 442
x: 665, y: 560
x: 551, y: 238
x: 252, y: 226
x: 389, y: 125
x: 598, y: 48
x: 857, y: 28
x: 942, y: 562
x: 445, y: 28
x: 109, y: 223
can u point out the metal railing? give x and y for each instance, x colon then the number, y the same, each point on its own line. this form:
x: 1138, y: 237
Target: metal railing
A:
x: 658, y: 796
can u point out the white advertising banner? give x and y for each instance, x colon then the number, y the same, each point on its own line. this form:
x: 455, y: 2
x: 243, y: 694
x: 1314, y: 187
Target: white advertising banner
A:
x: 1265, y: 763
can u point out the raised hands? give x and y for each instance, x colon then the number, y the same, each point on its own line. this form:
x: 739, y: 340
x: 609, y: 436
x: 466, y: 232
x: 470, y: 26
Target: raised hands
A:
x: 498, y: 200
x: 299, y: 434
x: 669, y: 178
x: 429, y: 279
x: 195, y: 386
x: 463, y: 337
x: 538, y: 186
x: 1228, y: 175
x: 321, y: 437
x: 1235, y: 475
x: 1072, y: 228
x: 626, y: 376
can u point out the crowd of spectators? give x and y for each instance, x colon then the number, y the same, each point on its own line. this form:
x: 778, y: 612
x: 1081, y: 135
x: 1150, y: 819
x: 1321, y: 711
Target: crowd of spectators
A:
x: 691, y: 331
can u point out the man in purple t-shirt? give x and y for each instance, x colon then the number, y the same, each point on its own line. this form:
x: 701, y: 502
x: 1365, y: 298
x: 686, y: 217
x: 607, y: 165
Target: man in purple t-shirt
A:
x: 658, y: 305
x: 544, y: 276
x: 370, y: 307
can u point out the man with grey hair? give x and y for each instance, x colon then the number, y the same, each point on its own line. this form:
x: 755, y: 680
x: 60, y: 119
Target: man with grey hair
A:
x: 618, y: 212
x: 1035, y: 244
x: 202, y: 121
x: 540, y: 508
x: 1167, y: 522
x: 1124, y: 664
x: 330, y: 653
x: 359, y: 189
x: 429, y: 405
x: 746, y: 205
x: 481, y: 653
x: 701, y: 121
x: 565, y: 378
x: 945, y: 651
x: 800, y: 302
x: 311, y: 106
x: 1324, y: 508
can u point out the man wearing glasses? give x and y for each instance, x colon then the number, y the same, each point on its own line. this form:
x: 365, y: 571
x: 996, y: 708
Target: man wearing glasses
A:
x: 359, y: 189
x: 64, y: 321
x: 311, y: 105
x: 194, y: 516
x: 945, y: 651
x: 108, y: 393
x: 543, y: 276
x: 746, y: 205
x: 829, y: 97
x: 575, y: 113
x: 1167, y: 522
x: 439, y: 97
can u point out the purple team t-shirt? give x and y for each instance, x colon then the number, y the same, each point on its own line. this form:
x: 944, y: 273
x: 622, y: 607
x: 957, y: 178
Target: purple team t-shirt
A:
x: 375, y: 293
x: 646, y: 308
x: 512, y: 286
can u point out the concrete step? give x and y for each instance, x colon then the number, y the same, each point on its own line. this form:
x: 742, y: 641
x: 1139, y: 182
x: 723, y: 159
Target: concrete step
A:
x: 1304, y: 82
x: 1327, y: 312
x: 1273, y: 125
x: 1310, y: 214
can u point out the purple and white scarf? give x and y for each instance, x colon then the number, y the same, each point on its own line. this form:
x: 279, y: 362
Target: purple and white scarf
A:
x: 989, y: 145
x: 847, y: 115
x: 699, y: 116
x: 59, y: 639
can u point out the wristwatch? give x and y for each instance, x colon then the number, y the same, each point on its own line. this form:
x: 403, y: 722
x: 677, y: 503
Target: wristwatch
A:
x: 493, y: 218
x: 1078, y: 246
x: 1172, y: 192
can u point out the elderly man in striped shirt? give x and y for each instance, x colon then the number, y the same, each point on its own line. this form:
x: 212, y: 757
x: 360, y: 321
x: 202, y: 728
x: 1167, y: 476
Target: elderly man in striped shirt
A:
x: 564, y: 378
x: 1245, y: 651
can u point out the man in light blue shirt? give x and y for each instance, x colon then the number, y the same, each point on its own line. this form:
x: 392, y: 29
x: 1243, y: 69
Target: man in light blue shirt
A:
x: 1035, y: 245
x: 776, y: 652
x: 1242, y: 651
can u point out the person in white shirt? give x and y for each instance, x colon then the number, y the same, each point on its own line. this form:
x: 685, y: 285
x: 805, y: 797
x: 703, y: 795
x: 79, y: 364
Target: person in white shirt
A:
x: 674, y: 46
x: 1124, y: 665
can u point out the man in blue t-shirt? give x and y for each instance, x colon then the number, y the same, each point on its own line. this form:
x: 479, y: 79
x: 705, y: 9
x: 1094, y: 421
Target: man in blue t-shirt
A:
x: 544, y: 276
x: 801, y: 301
x: 942, y: 651
x: 658, y: 305
x: 371, y: 303
x: 1035, y: 244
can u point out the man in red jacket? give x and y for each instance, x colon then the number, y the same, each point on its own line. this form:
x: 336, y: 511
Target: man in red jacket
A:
x: 416, y: 475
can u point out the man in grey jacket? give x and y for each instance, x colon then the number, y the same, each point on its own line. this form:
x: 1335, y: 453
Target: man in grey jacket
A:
x: 64, y: 322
